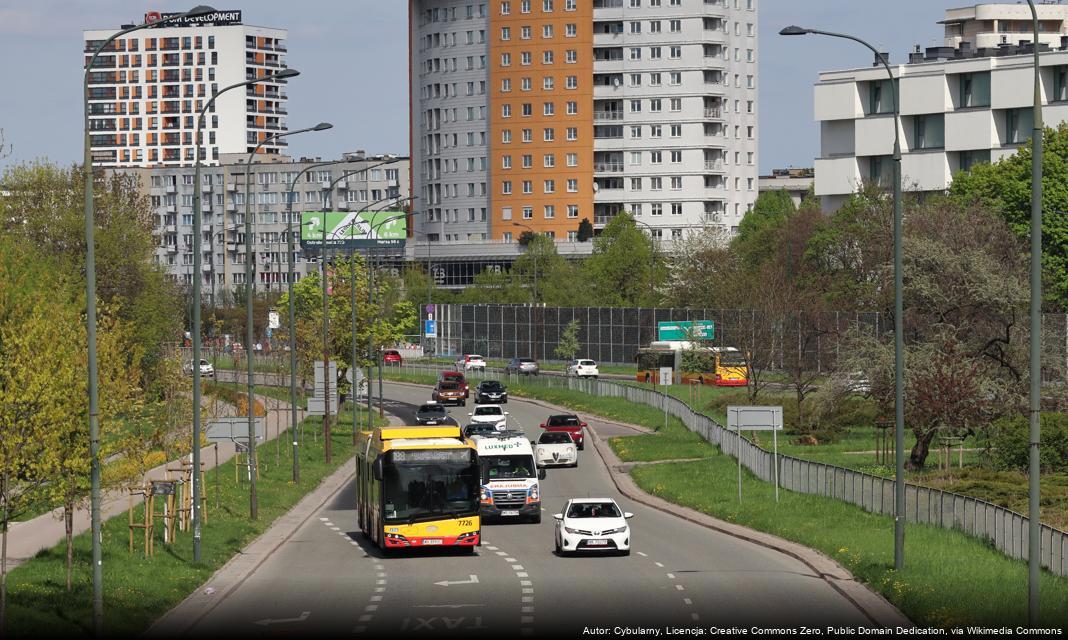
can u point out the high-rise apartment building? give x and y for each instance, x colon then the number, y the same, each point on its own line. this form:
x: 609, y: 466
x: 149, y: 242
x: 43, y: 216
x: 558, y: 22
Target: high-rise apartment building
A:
x: 536, y: 114
x: 146, y: 89
x: 966, y: 102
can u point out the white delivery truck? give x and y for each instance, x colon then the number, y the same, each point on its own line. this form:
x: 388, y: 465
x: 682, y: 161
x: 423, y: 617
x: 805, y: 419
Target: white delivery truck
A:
x: 509, y: 476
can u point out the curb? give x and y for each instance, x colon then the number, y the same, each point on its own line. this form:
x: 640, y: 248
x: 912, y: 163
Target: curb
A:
x: 181, y: 619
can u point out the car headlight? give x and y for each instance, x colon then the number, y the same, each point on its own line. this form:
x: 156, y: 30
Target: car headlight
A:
x: 578, y: 532
x: 484, y: 495
x: 534, y: 494
x: 611, y: 531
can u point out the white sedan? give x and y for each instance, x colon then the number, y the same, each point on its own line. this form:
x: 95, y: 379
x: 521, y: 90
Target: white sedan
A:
x: 490, y: 414
x: 592, y: 524
x: 583, y: 369
x: 555, y: 448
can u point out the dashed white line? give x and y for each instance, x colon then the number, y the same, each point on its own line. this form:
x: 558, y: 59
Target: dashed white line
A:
x: 325, y: 519
x: 526, y: 620
x: 694, y: 616
x: 671, y: 576
x: 688, y: 601
x: 365, y: 618
x: 371, y: 607
x: 501, y: 553
x: 525, y: 583
x: 528, y: 590
x: 527, y: 610
x: 510, y: 560
x: 643, y: 554
x: 527, y: 599
x: 517, y: 567
x: 376, y: 598
x: 521, y: 574
x: 680, y: 587
x: 491, y: 548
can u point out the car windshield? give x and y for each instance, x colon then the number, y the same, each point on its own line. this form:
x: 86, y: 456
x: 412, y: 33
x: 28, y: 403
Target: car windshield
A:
x: 449, y: 386
x: 526, y: 361
x: 488, y: 411
x: 564, y: 421
x: 555, y: 437
x: 431, y: 408
x: 478, y: 429
x: 492, y: 386
x: 593, y: 510
x: 587, y: 363
x: 506, y: 467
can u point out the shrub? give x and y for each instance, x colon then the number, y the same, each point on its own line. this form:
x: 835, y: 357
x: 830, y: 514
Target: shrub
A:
x: 1011, y: 442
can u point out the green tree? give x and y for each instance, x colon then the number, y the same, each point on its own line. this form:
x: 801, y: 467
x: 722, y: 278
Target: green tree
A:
x: 568, y: 345
x: 585, y: 230
x: 625, y: 268
x: 1005, y: 187
x: 769, y: 212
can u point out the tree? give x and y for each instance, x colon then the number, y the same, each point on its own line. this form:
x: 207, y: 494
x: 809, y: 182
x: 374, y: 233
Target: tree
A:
x: 625, y: 268
x: 585, y: 230
x: 1005, y: 187
x: 769, y: 212
x: 568, y: 345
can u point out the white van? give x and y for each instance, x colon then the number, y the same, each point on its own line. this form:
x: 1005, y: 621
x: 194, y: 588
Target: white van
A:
x: 510, y: 477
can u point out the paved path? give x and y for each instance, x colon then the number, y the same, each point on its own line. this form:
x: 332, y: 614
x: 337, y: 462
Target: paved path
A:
x: 27, y: 538
x: 319, y: 576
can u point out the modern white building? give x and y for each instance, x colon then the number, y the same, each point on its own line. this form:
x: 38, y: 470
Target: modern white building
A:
x: 795, y: 182
x: 959, y: 106
x: 146, y: 89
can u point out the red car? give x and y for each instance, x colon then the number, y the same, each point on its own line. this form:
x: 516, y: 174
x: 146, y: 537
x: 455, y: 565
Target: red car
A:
x: 391, y: 356
x: 457, y: 377
x: 568, y: 422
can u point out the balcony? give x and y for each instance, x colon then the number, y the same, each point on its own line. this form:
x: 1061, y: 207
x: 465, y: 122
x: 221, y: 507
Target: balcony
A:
x: 172, y: 188
x: 608, y: 167
x: 607, y: 115
x: 714, y: 113
x: 714, y: 165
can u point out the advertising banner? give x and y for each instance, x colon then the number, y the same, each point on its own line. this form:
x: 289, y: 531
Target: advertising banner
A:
x: 353, y: 230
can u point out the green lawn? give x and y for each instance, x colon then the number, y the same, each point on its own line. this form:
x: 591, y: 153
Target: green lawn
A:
x: 138, y: 589
x: 278, y: 393
x: 949, y: 579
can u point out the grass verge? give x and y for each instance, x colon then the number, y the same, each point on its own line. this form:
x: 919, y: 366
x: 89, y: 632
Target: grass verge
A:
x: 277, y: 393
x: 137, y: 590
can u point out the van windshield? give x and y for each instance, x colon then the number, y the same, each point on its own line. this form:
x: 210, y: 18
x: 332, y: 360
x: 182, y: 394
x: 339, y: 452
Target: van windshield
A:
x: 506, y: 467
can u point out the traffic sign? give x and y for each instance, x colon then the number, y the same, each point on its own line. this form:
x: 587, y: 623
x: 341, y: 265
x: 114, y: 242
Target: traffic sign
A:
x: 751, y: 418
x: 430, y: 328
x: 234, y: 429
x: 679, y: 330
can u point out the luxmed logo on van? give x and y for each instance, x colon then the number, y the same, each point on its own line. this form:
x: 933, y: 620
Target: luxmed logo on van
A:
x: 501, y: 446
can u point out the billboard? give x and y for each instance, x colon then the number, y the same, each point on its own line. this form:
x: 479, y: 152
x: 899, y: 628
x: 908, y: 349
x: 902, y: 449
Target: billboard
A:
x: 353, y: 230
x: 702, y: 329
x: 217, y: 18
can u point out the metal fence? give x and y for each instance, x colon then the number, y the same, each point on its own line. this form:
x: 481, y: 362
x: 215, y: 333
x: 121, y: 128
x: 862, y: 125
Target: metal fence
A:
x: 1005, y: 529
x: 614, y: 334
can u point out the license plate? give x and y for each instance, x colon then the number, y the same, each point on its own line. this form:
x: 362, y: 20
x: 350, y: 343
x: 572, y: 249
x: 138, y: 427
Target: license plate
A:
x: 597, y: 543
x: 431, y: 541
x: 509, y: 513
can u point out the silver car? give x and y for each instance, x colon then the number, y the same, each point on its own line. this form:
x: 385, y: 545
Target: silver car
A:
x: 526, y: 366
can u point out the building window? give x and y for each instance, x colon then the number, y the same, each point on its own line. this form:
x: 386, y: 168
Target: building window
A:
x: 528, y: 213
x: 880, y: 97
x: 506, y: 187
x: 969, y: 159
x: 1018, y: 125
x: 548, y: 109
x: 572, y: 82
x: 974, y: 90
x: 506, y: 213
x: 548, y: 134
x: 506, y: 34
x: 528, y: 187
x: 506, y: 111
x: 571, y: 56
x: 549, y: 160
x: 572, y: 185
x: 570, y: 30
x: 1060, y: 84
x: 506, y: 59
x: 506, y: 162
x: 676, y: 208
x: 572, y: 159
x: 547, y: 57
x: 572, y: 133
x: 549, y: 211
x: 547, y: 31
x: 929, y: 131
x: 528, y: 160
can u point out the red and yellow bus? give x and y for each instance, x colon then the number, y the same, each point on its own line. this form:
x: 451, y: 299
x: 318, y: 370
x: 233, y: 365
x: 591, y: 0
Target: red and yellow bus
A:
x: 418, y: 487
x: 718, y: 366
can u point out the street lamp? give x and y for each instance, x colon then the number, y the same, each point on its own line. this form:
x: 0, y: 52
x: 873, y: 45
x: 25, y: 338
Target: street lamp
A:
x: 198, y: 277
x: 90, y: 321
x: 519, y: 224
x: 429, y: 289
x: 899, y: 340
x: 372, y: 348
x: 249, y: 334
x: 1034, y: 531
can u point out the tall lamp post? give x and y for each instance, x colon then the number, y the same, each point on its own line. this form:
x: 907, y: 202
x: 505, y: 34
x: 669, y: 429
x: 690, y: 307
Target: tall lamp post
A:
x: 429, y: 288
x: 1034, y: 531
x: 372, y: 348
x: 899, y: 341
x: 197, y: 278
x: 249, y: 334
x: 532, y: 231
x: 90, y: 321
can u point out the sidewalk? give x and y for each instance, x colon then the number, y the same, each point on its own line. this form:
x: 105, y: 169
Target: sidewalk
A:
x: 26, y: 539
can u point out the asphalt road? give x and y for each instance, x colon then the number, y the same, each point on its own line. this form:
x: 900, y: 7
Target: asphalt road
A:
x: 327, y: 579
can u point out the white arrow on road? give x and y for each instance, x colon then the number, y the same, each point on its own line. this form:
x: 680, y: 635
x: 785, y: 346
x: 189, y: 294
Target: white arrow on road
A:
x: 445, y: 583
x: 269, y: 621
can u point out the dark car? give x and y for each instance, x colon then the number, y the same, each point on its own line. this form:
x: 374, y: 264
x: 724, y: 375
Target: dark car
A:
x: 448, y: 391
x: 526, y: 366
x: 568, y: 422
x: 491, y: 392
x: 431, y: 413
x: 479, y: 429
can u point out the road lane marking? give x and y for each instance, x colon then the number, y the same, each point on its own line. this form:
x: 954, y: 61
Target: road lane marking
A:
x: 642, y: 554
x: 688, y: 601
x: 527, y: 599
x: 526, y: 619
x: 528, y: 591
x: 680, y: 587
x: 517, y: 567
x: 671, y: 576
x: 472, y: 579
x: 527, y: 610
x: 491, y: 548
x: 371, y: 607
x: 379, y: 589
x: 694, y: 617
x: 501, y: 553
x: 380, y: 582
x: 336, y: 528
x: 521, y: 574
x: 266, y: 622
x: 659, y: 564
x: 365, y: 618
x: 510, y: 560
x: 525, y: 583
x: 324, y: 519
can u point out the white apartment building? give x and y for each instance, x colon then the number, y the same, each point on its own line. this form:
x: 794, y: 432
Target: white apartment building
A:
x: 959, y: 105
x: 146, y: 89
x: 675, y: 87
x: 360, y: 184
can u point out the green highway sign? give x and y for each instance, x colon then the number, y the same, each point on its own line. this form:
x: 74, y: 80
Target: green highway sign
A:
x: 702, y: 329
x: 353, y: 230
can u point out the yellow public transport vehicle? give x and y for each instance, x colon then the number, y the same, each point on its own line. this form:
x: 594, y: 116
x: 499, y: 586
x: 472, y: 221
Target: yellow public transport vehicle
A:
x: 722, y: 366
x: 418, y: 487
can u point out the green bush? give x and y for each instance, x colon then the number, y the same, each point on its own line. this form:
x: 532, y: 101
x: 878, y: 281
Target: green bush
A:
x: 827, y: 416
x: 1011, y: 442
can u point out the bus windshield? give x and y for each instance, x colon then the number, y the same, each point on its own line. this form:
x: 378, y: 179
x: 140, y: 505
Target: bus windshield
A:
x: 653, y: 359
x: 413, y: 491
x: 731, y: 359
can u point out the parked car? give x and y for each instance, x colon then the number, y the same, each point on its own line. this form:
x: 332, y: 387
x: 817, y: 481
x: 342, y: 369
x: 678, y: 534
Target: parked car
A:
x: 206, y: 369
x: 583, y: 369
x: 592, y: 524
x: 470, y: 361
x: 458, y: 378
x: 490, y: 414
x: 491, y: 391
x: 526, y: 366
x: 448, y: 391
x: 392, y: 356
x: 555, y: 448
x: 431, y: 413
x: 568, y: 422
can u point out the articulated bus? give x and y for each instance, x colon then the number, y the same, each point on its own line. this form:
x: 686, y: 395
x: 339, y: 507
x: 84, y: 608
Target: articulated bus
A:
x: 418, y: 487
x: 721, y: 366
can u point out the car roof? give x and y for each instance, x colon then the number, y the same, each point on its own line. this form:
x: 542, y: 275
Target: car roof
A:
x: 588, y: 500
x: 563, y: 415
x: 451, y: 374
